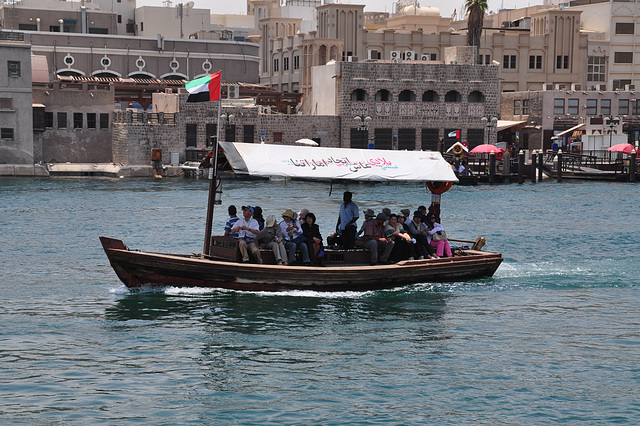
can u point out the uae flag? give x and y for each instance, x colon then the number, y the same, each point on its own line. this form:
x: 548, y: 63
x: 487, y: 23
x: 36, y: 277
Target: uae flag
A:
x: 204, y: 89
x: 454, y: 134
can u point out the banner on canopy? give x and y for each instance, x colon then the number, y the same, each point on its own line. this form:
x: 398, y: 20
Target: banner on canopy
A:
x: 337, y: 163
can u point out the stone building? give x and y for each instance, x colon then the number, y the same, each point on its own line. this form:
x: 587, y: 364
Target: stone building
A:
x: 16, y: 99
x: 552, y: 112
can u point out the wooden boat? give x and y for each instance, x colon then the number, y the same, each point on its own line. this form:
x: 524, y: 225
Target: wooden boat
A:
x: 345, y: 270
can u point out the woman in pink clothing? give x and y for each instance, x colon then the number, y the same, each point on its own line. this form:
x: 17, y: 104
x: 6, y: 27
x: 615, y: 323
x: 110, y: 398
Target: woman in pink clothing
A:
x: 434, y: 227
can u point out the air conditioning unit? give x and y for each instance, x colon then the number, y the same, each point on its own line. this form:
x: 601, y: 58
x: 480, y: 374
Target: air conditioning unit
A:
x: 424, y: 57
x: 349, y: 58
x: 395, y: 55
x: 547, y: 86
x: 233, y: 91
x: 628, y: 87
x: 601, y: 87
x: 410, y: 55
x: 575, y: 87
x: 373, y: 54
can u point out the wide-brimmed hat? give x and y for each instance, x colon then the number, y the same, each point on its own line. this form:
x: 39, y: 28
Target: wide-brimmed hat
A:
x: 248, y: 207
x: 270, y: 220
x: 369, y: 212
x: 405, y: 212
x: 289, y: 213
x: 381, y: 216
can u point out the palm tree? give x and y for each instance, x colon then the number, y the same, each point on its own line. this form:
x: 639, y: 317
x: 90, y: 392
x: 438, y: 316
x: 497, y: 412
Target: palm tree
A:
x: 475, y: 10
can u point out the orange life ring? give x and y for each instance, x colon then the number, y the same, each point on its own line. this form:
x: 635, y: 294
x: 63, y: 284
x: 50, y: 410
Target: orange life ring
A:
x: 439, y: 187
x: 457, y: 149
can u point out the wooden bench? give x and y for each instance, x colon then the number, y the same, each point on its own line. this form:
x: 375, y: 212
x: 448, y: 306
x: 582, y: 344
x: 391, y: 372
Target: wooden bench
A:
x: 226, y: 248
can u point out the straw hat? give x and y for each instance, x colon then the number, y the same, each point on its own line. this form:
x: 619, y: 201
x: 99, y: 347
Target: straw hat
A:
x: 289, y: 213
x: 270, y: 220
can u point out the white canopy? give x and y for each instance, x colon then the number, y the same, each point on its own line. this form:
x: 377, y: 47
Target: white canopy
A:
x: 337, y: 163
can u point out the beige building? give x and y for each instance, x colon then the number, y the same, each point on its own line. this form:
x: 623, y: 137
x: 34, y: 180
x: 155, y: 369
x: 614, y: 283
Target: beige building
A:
x: 16, y: 99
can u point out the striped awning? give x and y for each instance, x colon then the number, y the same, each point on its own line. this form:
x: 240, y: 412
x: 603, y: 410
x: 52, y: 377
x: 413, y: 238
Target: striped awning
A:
x: 564, y: 132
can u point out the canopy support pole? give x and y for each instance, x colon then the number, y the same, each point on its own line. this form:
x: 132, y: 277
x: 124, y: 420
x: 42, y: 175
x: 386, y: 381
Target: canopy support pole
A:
x: 213, y: 179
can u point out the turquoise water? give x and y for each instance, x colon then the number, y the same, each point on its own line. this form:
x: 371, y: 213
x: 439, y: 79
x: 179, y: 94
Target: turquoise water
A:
x: 552, y: 338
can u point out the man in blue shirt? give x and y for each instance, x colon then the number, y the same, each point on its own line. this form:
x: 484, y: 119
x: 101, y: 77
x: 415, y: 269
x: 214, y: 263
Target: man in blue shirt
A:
x: 346, y: 226
x: 233, y: 218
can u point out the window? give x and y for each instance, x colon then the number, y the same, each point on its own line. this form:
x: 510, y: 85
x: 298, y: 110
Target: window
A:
x: 62, y: 120
x: 596, y: 67
x: 248, y: 133
x: 104, y: 121
x: 383, y: 95
x: 192, y: 134
x: 48, y: 119
x: 141, y: 26
x: 433, y: 56
x: 592, y: 107
x: 623, y: 57
x: 277, y: 136
x: 296, y: 62
x: 91, y: 120
x: 573, y: 107
x: 509, y: 61
x: 636, y: 107
x: 211, y: 130
x: 605, y: 106
x: 6, y: 103
x: 525, y: 107
x: 98, y: 31
x: 285, y: 64
x: 484, y: 59
x: 558, y: 106
x: 517, y: 107
x: 6, y: 133
x: 621, y: 84
x: 119, y: 19
x: 407, y: 139
x: 429, y: 139
x: 28, y: 27
x: 562, y: 62
x: 623, y: 107
x: 625, y: 27
x: 535, y: 62
x: 276, y: 65
x: 77, y: 120
x: 14, y: 68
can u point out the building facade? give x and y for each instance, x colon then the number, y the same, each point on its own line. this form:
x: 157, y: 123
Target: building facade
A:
x: 16, y: 100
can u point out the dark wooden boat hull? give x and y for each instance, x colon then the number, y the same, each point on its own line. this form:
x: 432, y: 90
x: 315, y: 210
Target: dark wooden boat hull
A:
x: 140, y: 269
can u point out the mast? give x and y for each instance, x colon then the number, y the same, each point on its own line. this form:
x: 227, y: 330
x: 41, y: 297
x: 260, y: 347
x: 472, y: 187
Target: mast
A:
x: 213, y: 182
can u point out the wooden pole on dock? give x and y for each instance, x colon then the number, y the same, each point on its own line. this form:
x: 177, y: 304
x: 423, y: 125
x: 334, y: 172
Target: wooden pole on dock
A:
x: 559, y: 171
x: 533, y: 166
x: 492, y: 167
x: 632, y: 166
x: 521, y: 167
x: 540, y: 163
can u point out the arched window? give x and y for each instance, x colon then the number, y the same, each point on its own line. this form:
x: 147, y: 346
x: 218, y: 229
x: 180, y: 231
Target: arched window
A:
x: 407, y: 96
x: 383, y: 95
x: 430, y: 96
x: 476, y: 96
x: 359, y: 95
x: 453, y: 96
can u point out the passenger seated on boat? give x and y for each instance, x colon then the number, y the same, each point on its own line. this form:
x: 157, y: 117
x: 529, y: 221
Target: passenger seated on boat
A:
x: 403, y: 247
x: 257, y: 215
x: 302, y: 216
x: 415, y: 228
x: 233, y: 218
x: 313, y: 238
x: 294, y: 239
x: 374, y: 240
x: 346, y: 227
x: 434, y: 227
x: 387, y: 213
x: 463, y: 170
x: 406, y: 215
x: 247, y: 229
x: 369, y: 214
x: 271, y: 238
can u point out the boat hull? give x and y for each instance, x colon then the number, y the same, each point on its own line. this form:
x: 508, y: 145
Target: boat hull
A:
x: 147, y: 269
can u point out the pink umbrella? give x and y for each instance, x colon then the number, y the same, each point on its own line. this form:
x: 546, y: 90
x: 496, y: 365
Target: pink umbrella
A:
x: 486, y: 149
x: 625, y: 148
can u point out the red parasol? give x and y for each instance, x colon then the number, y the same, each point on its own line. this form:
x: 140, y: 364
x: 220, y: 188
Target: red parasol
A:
x: 625, y: 148
x: 486, y: 149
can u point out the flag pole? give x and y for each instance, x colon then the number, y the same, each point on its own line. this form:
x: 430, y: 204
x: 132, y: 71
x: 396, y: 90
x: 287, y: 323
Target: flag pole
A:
x: 213, y: 179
